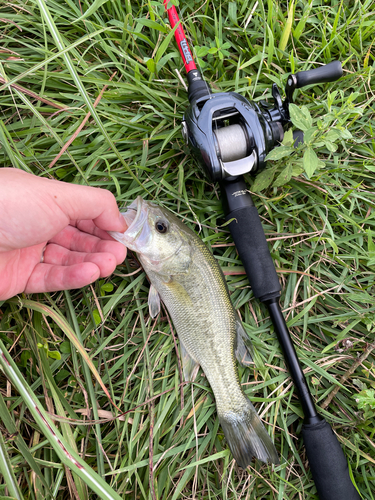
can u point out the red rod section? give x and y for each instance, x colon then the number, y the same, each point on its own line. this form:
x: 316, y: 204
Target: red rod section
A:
x: 180, y: 37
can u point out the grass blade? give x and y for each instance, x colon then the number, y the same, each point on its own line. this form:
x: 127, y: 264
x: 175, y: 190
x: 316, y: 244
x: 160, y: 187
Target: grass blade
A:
x: 69, y: 457
x: 7, y: 472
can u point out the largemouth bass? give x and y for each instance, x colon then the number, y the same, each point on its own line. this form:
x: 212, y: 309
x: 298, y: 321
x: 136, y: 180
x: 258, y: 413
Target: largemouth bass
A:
x: 187, y: 278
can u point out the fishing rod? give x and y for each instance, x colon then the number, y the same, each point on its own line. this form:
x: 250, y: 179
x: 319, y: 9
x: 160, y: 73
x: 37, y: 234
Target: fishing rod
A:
x: 231, y: 136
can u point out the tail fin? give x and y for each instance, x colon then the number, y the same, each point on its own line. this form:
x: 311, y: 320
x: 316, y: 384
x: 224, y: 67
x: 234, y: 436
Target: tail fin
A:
x: 247, y: 436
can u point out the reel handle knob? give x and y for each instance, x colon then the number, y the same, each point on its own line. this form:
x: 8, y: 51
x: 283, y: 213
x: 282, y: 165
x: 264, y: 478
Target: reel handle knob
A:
x: 328, y: 73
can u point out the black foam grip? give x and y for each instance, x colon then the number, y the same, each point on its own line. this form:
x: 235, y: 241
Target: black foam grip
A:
x: 249, y: 238
x: 328, y: 464
x: 328, y: 73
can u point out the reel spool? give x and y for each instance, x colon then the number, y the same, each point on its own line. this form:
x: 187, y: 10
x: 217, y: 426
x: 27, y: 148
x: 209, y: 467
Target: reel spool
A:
x: 233, y: 150
x: 232, y: 142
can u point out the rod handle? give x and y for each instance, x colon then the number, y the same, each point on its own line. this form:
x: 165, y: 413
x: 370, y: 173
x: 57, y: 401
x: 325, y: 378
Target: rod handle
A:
x: 250, y: 240
x: 328, y: 73
x: 328, y: 464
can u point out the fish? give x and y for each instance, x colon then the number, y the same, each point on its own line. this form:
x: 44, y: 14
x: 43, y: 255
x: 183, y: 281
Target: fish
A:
x: 185, y: 275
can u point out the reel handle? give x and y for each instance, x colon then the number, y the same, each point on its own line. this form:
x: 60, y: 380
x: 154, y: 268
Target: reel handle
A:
x: 328, y: 464
x: 328, y: 73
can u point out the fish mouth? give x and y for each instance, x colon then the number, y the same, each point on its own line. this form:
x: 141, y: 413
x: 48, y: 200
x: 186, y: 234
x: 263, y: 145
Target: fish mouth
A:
x: 132, y: 214
x: 135, y: 217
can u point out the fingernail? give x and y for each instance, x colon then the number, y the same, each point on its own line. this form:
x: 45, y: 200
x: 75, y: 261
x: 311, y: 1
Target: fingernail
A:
x: 124, y: 226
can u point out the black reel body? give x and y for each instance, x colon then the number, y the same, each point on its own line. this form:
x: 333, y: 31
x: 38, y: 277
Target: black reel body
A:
x: 229, y: 135
x: 232, y: 136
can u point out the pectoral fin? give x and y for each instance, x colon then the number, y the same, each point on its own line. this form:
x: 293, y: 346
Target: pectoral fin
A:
x: 189, y: 366
x: 153, y: 302
x: 244, y: 348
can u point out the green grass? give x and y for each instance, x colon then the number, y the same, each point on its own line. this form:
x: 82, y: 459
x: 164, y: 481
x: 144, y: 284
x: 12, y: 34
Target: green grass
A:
x: 321, y: 230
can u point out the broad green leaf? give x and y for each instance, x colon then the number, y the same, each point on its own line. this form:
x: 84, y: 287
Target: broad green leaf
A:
x: 65, y: 347
x: 310, y: 161
x: 332, y: 135
x: 288, y: 138
x: 309, y: 135
x: 264, y: 179
x: 344, y: 133
x: 331, y: 146
x: 300, y: 117
x: 280, y: 152
x: 284, y: 176
x: 54, y: 355
x: 151, y: 65
x: 366, y: 398
x: 97, y: 317
x: 297, y: 169
x: 106, y: 288
x: 201, y: 51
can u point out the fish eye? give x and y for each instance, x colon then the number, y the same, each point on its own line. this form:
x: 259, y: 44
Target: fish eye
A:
x: 161, y: 226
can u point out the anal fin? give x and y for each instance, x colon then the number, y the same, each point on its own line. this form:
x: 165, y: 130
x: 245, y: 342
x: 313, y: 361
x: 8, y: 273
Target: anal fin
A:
x: 189, y: 366
x: 243, y: 348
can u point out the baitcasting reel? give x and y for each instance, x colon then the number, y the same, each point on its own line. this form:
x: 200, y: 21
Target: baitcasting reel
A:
x: 232, y: 136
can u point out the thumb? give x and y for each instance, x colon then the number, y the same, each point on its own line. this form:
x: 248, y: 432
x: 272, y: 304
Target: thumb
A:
x: 89, y: 203
x: 110, y: 218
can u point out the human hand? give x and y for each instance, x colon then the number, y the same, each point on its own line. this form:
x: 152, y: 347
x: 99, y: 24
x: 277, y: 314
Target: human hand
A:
x: 53, y: 234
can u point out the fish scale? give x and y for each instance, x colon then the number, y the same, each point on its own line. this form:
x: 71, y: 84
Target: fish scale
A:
x: 214, y: 351
x: 187, y: 278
